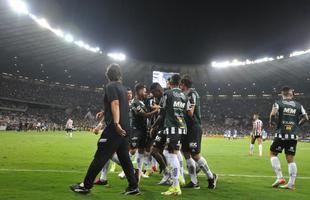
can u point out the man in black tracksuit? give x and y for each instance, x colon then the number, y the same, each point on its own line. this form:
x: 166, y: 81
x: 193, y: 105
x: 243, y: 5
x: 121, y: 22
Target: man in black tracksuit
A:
x: 114, y: 137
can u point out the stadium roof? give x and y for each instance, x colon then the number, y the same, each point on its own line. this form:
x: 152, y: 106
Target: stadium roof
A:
x: 34, y: 51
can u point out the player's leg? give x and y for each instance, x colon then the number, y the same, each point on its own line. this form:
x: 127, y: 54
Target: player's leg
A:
x: 103, y: 180
x: 275, y: 148
x: 190, y: 163
x: 252, y: 145
x: 260, y: 146
x: 127, y: 166
x: 290, y: 150
x: 173, y: 146
x: 157, y: 152
x: 195, y: 149
x: 106, y: 146
x: 147, y: 161
x: 181, y: 176
x: 191, y: 167
x: 135, y: 139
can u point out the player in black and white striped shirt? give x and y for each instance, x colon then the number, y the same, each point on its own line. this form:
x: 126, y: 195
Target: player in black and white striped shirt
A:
x: 256, y: 134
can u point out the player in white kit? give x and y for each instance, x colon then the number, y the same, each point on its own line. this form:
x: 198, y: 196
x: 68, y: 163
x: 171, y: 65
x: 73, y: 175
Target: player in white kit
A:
x: 256, y: 134
x: 69, y: 127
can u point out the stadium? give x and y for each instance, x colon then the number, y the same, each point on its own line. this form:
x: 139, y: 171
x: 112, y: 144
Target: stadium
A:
x: 50, y: 74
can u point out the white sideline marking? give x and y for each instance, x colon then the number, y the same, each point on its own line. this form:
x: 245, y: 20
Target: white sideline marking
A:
x: 82, y: 172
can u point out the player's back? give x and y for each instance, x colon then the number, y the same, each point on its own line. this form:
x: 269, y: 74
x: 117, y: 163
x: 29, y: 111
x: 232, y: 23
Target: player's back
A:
x: 289, y: 112
x: 175, y: 103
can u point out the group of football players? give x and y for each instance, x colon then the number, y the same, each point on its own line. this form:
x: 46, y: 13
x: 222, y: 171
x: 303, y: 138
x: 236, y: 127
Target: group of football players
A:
x: 165, y: 125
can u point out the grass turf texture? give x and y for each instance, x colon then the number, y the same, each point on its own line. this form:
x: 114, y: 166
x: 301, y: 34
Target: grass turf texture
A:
x: 66, y: 160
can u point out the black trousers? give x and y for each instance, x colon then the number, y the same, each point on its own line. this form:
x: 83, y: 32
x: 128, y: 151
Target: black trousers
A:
x: 108, y: 144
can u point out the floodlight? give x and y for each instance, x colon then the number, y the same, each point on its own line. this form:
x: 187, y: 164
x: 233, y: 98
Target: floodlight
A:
x: 19, y: 6
x: 69, y: 38
x: 117, y: 56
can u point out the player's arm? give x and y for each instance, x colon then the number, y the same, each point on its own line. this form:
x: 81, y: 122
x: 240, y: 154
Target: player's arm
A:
x: 192, y: 102
x: 304, y: 117
x: 160, y: 119
x: 273, y: 115
x: 139, y: 111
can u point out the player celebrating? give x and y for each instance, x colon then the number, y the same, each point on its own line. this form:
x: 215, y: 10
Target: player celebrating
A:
x: 191, y: 143
x: 256, y: 134
x: 139, y: 124
x: 69, y: 127
x: 174, y: 105
x: 291, y: 115
x: 159, y: 140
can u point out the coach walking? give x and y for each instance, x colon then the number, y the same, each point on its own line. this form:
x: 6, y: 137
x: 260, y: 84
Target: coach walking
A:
x: 114, y: 138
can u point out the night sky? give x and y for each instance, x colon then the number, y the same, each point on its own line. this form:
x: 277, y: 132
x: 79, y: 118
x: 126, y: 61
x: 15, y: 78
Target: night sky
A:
x: 184, y: 32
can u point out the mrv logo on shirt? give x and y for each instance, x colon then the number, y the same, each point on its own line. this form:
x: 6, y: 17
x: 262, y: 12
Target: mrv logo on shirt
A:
x: 178, y: 104
x: 289, y: 111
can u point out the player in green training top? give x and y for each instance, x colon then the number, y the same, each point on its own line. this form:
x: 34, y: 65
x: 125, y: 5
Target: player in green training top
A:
x: 175, y: 104
x: 291, y: 115
x: 191, y: 143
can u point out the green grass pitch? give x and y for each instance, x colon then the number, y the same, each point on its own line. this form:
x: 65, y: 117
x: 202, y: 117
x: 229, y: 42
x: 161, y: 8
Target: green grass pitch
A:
x: 41, y: 166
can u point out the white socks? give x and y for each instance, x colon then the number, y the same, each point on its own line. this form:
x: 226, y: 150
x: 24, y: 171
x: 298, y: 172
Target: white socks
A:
x: 275, y: 163
x: 175, y: 164
x: 104, y: 173
x: 147, y: 161
x: 260, y: 147
x: 191, y: 167
x: 202, y: 163
x: 180, y: 158
x: 140, y: 158
x: 115, y: 159
x: 292, y: 171
x: 71, y: 134
x: 251, y: 148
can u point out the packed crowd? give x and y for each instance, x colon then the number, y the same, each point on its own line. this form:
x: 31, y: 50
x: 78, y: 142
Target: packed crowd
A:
x: 218, y: 115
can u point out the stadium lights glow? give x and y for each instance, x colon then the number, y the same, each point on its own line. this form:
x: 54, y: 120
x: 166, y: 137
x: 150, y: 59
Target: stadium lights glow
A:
x: 298, y: 53
x: 236, y: 62
x: 117, y: 56
x: 69, y: 38
x: 20, y: 7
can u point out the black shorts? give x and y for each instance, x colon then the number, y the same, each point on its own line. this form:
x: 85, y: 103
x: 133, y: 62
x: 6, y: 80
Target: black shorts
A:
x: 138, y: 138
x: 289, y: 146
x: 254, y: 137
x: 191, y: 143
x: 69, y: 129
x: 160, y: 140
x: 174, y: 137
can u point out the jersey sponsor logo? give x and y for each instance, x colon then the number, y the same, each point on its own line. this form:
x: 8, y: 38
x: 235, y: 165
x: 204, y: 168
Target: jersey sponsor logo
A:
x: 292, y: 149
x: 178, y: 104
x: 193, y: 145
x: 289, y: 111
x: 157, y: 138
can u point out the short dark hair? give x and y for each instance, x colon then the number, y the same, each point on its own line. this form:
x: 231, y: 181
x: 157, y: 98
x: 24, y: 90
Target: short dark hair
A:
x: 129, y: 89
x: 175, y: 79
x: 286, y: 89
x: 187, y: 81
x: 139, y: 86
x: 113, y: 72
x: 155, y: 86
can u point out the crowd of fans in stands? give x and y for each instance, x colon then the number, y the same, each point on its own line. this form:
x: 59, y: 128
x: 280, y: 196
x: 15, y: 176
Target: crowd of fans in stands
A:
x: 218, y: 114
